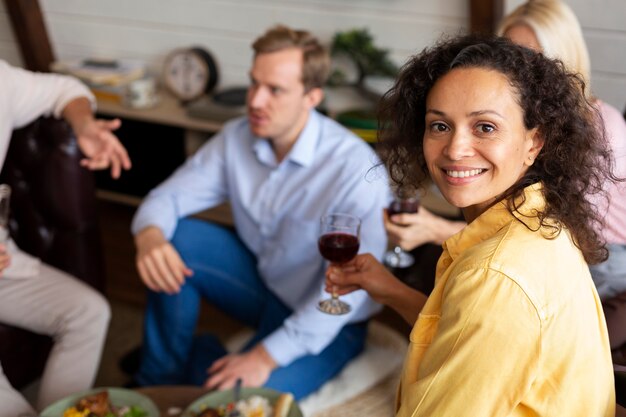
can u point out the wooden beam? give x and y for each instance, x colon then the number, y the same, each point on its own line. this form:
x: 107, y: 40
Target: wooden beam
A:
x: 30, y: 31
x: 485, y: 15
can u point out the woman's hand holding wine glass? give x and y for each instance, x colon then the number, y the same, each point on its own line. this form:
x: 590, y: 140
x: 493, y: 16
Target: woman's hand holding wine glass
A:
x: 366, y: 273
x: 363, y: 272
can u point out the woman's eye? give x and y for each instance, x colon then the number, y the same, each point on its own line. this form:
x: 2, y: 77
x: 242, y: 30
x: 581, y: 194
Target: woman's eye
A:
x: 438, y: 127
x: 485, y: 128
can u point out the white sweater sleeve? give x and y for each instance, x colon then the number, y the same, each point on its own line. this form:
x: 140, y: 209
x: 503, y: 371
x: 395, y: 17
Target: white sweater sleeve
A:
x: 34, y: 94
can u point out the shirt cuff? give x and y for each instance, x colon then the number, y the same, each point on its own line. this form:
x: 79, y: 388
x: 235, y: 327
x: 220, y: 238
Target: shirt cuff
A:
x: 78, y: 92
x: 281, y: 347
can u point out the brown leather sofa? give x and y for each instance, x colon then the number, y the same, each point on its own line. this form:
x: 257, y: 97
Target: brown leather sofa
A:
x: 53, y: 216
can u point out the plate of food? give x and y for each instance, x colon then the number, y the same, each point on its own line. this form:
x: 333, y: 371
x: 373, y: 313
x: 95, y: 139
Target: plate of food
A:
x: 254, y: 402
x: 103, y: 402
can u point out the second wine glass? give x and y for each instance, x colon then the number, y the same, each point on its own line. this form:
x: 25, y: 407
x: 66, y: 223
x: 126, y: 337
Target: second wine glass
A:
x: 5, y: 199
x: 402, y: 203
x: 338, y: 243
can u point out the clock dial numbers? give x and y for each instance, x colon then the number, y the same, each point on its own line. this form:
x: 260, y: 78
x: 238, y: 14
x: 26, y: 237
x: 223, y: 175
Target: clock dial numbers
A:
x: 189, y: 73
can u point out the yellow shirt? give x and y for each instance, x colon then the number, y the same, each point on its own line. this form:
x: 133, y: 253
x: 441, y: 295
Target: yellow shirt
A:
x: 513, y: 327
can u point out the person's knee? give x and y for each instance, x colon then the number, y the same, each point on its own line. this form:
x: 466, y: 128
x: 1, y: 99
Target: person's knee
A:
x: 199, y: 241
x: 93, y: 309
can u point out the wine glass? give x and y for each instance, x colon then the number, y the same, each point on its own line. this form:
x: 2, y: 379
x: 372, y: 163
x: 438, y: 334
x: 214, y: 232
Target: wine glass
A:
x: 338, y: 243
x: 402, y: 203
x: 5, y: 197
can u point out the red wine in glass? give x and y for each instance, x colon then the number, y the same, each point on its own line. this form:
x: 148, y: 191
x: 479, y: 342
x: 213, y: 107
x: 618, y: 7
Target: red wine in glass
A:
x: 338, y: 243
x: 399, y: 206
x: 338, y: 247
x: 398, y: 258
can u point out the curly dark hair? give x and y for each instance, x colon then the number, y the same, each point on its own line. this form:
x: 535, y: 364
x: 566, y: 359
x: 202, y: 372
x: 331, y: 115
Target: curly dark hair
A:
x: 575, y: 160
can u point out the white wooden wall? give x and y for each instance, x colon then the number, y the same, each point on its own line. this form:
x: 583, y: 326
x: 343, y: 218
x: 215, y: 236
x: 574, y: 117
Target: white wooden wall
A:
x: 149, y: 29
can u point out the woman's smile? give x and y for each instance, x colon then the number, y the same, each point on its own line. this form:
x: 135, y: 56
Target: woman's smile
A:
x: 461, y: 175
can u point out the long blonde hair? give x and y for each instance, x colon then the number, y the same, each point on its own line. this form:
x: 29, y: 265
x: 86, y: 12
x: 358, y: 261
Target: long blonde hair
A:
x: 558, y: 32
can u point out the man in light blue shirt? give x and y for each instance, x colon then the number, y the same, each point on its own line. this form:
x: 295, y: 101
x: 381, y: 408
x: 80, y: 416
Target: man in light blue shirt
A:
x: 281, y: 168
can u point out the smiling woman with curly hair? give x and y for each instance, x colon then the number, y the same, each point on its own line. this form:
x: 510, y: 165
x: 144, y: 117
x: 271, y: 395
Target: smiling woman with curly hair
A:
x: 574, y: 160
x: 514, y: 326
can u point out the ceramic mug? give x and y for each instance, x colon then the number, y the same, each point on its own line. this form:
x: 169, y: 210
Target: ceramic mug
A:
x: 141, y: 94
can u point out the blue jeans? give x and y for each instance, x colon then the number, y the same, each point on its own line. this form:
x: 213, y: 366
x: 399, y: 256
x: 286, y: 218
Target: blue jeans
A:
x: 225, y: 275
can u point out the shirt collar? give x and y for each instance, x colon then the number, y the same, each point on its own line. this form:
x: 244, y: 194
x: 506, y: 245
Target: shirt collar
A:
x: 494, y: 219
x: 302, y: 152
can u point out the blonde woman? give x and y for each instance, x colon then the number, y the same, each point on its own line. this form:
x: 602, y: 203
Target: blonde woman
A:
x: 551, y: 27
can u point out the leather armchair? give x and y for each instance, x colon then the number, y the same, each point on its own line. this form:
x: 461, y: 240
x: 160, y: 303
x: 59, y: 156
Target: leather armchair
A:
x: 53, y: 217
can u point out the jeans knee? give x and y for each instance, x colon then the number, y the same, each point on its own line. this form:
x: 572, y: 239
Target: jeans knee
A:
x: 191, y: 233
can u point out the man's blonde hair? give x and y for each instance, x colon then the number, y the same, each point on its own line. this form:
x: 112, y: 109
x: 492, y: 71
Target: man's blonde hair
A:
x: 316, y: 60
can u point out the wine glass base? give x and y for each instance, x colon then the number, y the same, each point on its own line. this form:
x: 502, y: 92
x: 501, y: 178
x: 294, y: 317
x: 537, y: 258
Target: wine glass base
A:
x: 333, y: 306
x: 400, y: 259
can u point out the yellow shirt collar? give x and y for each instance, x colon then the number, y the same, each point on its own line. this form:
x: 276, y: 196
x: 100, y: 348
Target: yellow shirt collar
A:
x: 495, y: 218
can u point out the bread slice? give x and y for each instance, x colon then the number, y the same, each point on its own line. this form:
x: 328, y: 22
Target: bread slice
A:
x: 283, y: 405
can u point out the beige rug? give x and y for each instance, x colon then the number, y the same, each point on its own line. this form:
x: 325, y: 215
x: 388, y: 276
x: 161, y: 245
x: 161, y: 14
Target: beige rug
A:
x: 366, y: 387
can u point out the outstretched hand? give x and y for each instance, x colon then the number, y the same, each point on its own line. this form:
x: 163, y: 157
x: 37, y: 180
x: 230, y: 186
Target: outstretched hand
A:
x: 101, y: 147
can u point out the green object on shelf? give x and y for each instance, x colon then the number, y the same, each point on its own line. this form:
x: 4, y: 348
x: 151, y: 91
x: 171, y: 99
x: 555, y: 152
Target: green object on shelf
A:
x: 362, y: 123
x: 360, y: 119
x: 358, y: 45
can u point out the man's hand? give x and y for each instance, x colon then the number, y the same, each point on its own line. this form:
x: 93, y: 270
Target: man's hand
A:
x: 253, y: 367
x: 159, y: 264
x: 96, y: 139
x: 5, y: 258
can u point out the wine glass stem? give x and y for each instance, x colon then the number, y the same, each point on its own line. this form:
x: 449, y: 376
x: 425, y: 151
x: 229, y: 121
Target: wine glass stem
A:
x: 398, y: 251
x: 334, y: 294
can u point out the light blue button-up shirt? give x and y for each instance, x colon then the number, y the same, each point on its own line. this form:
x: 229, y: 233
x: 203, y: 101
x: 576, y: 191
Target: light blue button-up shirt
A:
x: 277, y: 208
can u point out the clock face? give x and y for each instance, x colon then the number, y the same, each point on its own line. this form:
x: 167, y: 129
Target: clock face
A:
x: 187, y: 74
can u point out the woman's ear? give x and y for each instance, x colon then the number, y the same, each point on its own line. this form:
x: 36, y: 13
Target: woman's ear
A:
x: 536, y: 141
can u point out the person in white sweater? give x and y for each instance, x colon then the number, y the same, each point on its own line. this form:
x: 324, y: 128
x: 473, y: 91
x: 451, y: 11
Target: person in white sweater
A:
x: 36, y: 296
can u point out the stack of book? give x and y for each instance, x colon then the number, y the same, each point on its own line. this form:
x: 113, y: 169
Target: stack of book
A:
x: 106, y: 78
